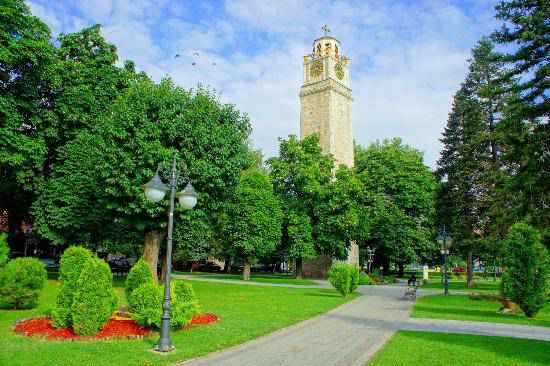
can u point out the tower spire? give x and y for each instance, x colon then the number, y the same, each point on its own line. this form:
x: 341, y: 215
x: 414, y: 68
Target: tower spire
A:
x: 325, y: 29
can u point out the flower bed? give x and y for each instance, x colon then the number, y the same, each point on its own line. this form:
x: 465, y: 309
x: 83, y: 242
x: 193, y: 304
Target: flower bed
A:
x: 115, y: 328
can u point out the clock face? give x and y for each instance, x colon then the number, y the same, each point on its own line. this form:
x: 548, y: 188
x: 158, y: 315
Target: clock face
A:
x: 339, y: 70
x: 316, y: 68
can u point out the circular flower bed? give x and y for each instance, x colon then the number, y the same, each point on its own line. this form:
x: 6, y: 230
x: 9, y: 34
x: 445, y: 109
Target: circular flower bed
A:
x: 115, y: 328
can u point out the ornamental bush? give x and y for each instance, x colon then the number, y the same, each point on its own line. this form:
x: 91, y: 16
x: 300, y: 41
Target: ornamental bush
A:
x: 20, y: 283
x: 145, y: 304
x: 344, y: 277
x: 527, y: 268
x: 71, y: 264
x: 4, y: 250
x: 138, y: 275
x: 364, y: 279
x: 94, y: 300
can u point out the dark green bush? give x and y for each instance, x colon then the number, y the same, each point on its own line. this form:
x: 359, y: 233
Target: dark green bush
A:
x: 138, y: 275
x: 145, y: 304
x: 71, y: 264
x: 20, y: 283
x: 4, y: 250
x: 527, y: 267
x: 95, y: 299
x: 344, y: 277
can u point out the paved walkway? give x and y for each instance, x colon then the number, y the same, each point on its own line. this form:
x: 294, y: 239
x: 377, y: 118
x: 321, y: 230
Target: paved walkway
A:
x: 352, y: 333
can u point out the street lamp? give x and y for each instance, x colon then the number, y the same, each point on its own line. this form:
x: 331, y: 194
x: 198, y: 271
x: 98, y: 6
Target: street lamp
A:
x: 445, y: 240
x: 370, y: 254
x: 154, y: 191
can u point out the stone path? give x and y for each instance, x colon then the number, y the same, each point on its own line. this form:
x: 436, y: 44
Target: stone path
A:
x: 352, y: 333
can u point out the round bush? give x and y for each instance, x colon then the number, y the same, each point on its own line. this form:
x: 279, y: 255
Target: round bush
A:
x: 145, y: 304
x: 20, y: 283
x: 4, y: 250
x: 344, y: 277
x: 71, y: 264
x: 95, y: 299
x: 138, y: 275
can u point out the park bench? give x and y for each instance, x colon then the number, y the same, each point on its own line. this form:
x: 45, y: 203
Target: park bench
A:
x: 410, y: 290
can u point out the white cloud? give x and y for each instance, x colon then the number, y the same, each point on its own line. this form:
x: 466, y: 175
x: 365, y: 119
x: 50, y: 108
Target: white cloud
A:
x: 408, y: 58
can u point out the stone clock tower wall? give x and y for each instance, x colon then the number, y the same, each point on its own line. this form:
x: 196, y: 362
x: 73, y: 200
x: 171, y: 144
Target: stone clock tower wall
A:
x: 325, y: 109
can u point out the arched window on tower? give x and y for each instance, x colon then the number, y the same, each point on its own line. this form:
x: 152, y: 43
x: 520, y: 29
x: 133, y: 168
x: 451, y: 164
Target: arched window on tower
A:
x: 318, y: 49
x: 327, y: 49
x: 336, y: 52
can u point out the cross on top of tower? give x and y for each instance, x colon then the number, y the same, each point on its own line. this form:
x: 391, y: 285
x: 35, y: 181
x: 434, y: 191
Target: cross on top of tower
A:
x: 325, y: 29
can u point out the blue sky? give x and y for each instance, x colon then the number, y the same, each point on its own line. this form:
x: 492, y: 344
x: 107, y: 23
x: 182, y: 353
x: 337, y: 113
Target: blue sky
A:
x: 408, y: 57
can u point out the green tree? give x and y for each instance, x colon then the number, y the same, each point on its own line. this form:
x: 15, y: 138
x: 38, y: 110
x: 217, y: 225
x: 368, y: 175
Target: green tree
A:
x: 25, y: 61
x: 95, y: 196
x: 527, y: 268
x: 400, y: 191
x: 527, y: 27
x: 254, y: 219
x: 299, y: 174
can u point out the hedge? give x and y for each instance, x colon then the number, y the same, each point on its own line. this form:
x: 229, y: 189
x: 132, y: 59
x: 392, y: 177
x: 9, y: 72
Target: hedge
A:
x: 138, y: 275
x: 344, y: 277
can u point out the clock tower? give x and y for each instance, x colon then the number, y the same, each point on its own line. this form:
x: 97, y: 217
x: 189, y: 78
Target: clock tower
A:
x: 325, y: 99
x: 325, y: 109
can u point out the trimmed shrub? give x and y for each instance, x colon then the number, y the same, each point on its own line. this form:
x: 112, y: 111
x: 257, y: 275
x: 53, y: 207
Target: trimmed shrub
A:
x: 527, y: 268
x: 20, y: 283
x: 95, y: 299
x: 145, y: 304
x: 71, y: 264
x: 364, y: 279
x: 4, y: 250
x: 344, y: 278
x: 138, y: 275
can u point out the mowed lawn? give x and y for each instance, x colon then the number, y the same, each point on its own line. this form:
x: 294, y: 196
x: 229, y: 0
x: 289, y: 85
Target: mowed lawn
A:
x: 245, y: 312
x: 485, y: 286
x: 254, y: 277
x: 461, y: 307
x: 407, y: 348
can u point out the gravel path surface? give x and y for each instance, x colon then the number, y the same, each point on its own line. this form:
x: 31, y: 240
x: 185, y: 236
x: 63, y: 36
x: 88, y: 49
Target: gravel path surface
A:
x: 350, y: 334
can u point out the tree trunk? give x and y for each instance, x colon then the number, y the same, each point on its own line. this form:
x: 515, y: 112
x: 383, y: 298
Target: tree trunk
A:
x: 153, y: 239
x: 246, y: 271
x: 163, y: 268
x: 299, y: 270
x: 401, y: 273
x: 227, y: 263
x: 470, y: 270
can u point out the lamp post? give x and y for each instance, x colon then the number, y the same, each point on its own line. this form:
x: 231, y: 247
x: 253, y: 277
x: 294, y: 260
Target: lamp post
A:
x: 370, y: 254
x: 155, y: 190
x: 444, y: 240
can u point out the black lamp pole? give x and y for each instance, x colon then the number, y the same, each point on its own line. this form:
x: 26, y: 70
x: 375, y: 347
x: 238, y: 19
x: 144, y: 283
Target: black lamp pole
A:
x: 165, y: 343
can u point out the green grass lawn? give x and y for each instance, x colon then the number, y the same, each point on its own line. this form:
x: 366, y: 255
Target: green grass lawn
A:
x: 255, y: 277
x: 245, y: 312
x: 461, y: 307
x: 484, y: 286
x: 438, y: 349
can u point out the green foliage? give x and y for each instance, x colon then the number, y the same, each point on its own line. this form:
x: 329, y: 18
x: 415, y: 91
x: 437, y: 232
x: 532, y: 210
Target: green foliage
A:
x: 20, y: 283
x: 4, y: 250
x: 138, y: 275
x: 94, y: 299
x: 344, y: 277
x: 399, y: 196
x: 140, y: 130
x: 298, y: 175
x: 364, y: 279
x: 71, y: 264
x: 253, y: 226
x: 145, y: 304
x: 527, y: 268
